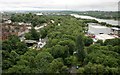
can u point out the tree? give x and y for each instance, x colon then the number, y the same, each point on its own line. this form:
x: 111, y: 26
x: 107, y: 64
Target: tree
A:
x: 59, y: 51
x: 81, y: 70
x: 32, y: 62
x: 94, y: 68
x: 112, y: 42
x: 116, y: 49
x: 6, y: 64
x: 43, y: 33
x: 52, y: 42
x: 9, y: 59
x: 14, y: 57
x: 102, y: 57
x: 70, y: 44
x: 80, y: 47
x: 10, y: 44
x: 93, y: 47
x: 21, y: 48
x: 100, y: 42
x: 71, y: 61
x: 13, y: 43
x: 64, y: 69
x: 56, y: 65
x: 35, y: 21
x: 19, y: 69
x: 28, y: 36
x: 42, y: 61
x: 87, y: 41
x: 34, y: 35
x: 42, y: 20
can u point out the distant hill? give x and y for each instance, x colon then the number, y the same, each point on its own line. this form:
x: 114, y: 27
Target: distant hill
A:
x: 102, y: 14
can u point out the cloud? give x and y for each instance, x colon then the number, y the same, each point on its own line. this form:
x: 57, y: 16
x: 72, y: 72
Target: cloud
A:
x: 58, y: 4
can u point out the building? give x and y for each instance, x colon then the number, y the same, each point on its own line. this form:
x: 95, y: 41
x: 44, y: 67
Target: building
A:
x: 115, y: 31
x: 103, y: 37
x: 96, y: 29
x: 41, y: 43
x: 30, y: 42
x: 8, y: 22
x: 39, y: 14
x: 12, y: 29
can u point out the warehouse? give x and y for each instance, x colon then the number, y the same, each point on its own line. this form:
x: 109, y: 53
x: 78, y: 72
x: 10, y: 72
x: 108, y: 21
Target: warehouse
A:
x: 103, y: 37
x: 94, y: 28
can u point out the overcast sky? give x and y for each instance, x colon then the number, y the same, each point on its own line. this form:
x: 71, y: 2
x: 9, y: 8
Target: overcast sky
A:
x: 79, y: 5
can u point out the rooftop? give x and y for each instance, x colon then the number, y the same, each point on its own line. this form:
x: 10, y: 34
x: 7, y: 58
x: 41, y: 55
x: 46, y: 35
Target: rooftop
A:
x: 104, y: 37
x: 114, y: 28
x: 99, y: 27
x: 30, y: 41
x: 95, y: 25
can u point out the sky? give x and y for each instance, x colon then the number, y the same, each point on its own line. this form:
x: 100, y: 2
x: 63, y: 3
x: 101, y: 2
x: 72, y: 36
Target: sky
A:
x: 77, y: 5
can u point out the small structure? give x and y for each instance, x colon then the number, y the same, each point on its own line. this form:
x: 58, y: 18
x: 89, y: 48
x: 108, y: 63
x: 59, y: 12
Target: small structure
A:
x: 22, y: 23
x: 29, y: 28
x: 40, y: 26
x: 97, y: 29
x: 52, y: 21
x: 37, y: 28
x: 41, y: 43
x: 30, y: 42
x: 22, y: 38
x: 58, y: 24
x: 8, y: 21
x: 39, y: 14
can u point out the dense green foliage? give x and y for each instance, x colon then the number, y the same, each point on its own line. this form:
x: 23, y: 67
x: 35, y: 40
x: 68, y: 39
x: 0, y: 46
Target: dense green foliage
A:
x: 67, y: 49
x: 11, y: 51
x: 28, y: 18
x: 32, y: 35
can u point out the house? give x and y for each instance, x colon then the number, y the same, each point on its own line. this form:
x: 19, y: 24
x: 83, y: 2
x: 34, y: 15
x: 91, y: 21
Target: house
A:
x: 30, y: 42
x: 96, y: 29
x: 41, y: 43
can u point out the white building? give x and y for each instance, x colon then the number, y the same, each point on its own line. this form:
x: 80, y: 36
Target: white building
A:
x: 94, y: 28
x: 41, y: 43
x: 116, y: 31
x: 103, y: 37
x: 52, y: 21
x: 8, y: 21
x: 39, y: 14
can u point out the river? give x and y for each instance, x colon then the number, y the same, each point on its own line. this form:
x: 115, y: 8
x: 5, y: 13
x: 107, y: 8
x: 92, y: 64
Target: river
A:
x: 108, y: 21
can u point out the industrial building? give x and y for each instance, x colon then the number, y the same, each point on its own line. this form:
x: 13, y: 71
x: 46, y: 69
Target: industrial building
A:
x: 115, y: 31
x: 95, y: 29
x: 98, y: 32
x: 103, y: 37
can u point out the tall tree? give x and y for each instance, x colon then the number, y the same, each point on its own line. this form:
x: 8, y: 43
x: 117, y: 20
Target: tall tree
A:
x: 80, y: 47
x: 34, y: 34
